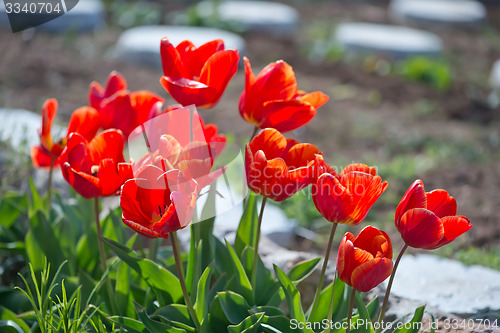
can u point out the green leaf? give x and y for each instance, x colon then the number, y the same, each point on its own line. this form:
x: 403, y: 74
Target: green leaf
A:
x: 128, y: 323
x: 202, y: 300
x: 152, y: 325
x: 217, y: 319
x: 268, y: 310
x: 302, y: 270
x: 246, y: 234
x: 235, y: 307
x: 87, y: 255
x: 175, y: 313
x: 165, y: 284
x: 250, y: 324
x: 292, y: 295
x: 203, y: 230
x: 12, y: 206
x: 222, y: 258
x: 373, y: 308
x: 266, y: 285
x: 42, y: 241
x: 411, y: 326
x: 36, y: 202
x: 8, y: 316
x: 278, y: 324
x: 124, y: 298
x: 194, y: 269
x: 240, y: 282
x: 364, y: 316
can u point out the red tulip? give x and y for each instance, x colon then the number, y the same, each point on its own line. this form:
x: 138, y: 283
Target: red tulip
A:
x: 126, y: 111
x: 365, y: 261
x: 272, y: 99
x: 115, y: 83
x: 84, y: 120
x: 95, y: 168
x: 277, y: 168
x: 197, y: 76
x: 157, y: 202
x: 429, y: 220
x: 346, y: 198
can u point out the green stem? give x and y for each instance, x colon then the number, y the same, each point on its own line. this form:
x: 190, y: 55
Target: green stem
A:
x: 49, y: 185
x: 256, y: 247
x: 389, y: 286
x: 323, y: 270
x: 254, y: 133
x: 330, y: 309
x: 349, y: 314
x: 153, y: 249
x: 180, y: 272
x: 102, y: 254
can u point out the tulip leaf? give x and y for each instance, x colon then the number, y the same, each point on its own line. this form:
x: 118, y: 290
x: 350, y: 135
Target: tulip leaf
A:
x: 203, y: 230
x: 123, y: 296
x: 364, y: 316
x: 278, y: 324
x: 218, y: 320
x: 246, y: 235
x: 292, y: 296
x: 239, y: 281
x: 8, y: 316
x: 202, y: 300
x: 250, y: 324
x: 154, y: 326
x: 302, y: 270
x: 176, y: 313
x: 12, y: 205
x: 36, y: 202
x: 373, y: 308
x: 165, y: 284
x: 266, y: 285
x: 412, y: 326
x: 235, y: 307
x: 128, y: 323
x: 193, y: 271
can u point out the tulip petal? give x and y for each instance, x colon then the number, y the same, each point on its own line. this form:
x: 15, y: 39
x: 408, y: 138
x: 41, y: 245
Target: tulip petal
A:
x: 199, y: 56
x: 359, y: 167
x: 344, y: 258
x: 421, y: 228
x: 86, y: 185
x: 441, y: 203
x: 332, y: 199
x: 170, y: 60
x: 41, y: 157
x: 454, y: 226
x: 112, y: 175
x: 130, y: 206
x: 374, y: 241
x: 108, y: 144
x: 300, y: 155
x: 187, y: 92
x: 85, y: 121
x: 414, y: 197
x: 285, y: 115
x: 371, y: 273
x: 269, y: 141
x: 315, y: 98
x: 217, y: 72
x: 142, y: 103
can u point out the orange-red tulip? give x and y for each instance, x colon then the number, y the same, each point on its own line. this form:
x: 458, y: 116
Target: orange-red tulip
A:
x: 95, y: 168
x: 84, y: 120
x: 365, y: 261
x: 429, y: 220
x: 157, y: 202
x: 197, y: 75
x: 272, y: 99
x: 277, y: 168
x: 347, y: 197
x: 115, y: 83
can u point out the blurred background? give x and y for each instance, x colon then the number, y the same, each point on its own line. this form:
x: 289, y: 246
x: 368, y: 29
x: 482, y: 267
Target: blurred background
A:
x: 414, y: 89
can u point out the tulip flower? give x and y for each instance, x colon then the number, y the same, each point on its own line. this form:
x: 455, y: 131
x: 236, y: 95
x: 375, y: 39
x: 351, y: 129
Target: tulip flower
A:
x: 84, y: 120
x: 429, y: 220
x: 156, y: 203
x: 365, y: 261
x: 346, y: 198
x: 197, y: 75
x: 95, y: 168
x: 272, y: 99
x: 277, y: 168
x: 115, y: 83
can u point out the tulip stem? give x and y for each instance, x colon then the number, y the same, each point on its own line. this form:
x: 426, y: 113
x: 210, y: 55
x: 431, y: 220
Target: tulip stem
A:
x: 180, y: 272
x: 254, y: 133
x: 323, y: 270
x: 102, y: 254
x: 349, y: 314
x: 49, y: 185
x: 389, y: 286
x: 330, y: 308
x: 256, y: 247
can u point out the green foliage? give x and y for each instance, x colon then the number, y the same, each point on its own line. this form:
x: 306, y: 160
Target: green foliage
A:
x: 435, y: 72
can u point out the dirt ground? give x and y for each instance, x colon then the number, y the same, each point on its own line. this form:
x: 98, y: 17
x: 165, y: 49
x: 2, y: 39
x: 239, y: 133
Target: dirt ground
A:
x: 369, y: 118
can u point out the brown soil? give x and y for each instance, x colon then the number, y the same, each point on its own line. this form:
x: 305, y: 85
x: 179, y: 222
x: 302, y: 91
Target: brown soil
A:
x: 354, y: 128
